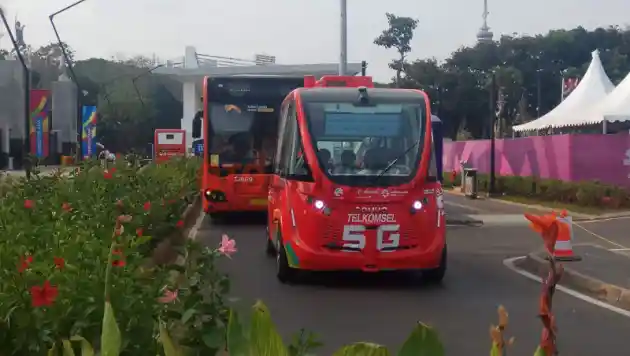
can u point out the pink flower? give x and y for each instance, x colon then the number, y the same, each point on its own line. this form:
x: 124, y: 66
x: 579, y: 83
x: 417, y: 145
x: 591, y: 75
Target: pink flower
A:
x: 169, y: 296
x: 228, y: 246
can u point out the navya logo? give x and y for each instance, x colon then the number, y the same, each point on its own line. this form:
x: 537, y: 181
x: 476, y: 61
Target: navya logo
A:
x: 241, y: 179
x: 371, y: 209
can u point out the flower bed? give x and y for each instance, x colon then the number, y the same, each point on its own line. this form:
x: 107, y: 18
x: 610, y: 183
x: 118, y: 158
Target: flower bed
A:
x: 587, y: 193
x: 71, y: 243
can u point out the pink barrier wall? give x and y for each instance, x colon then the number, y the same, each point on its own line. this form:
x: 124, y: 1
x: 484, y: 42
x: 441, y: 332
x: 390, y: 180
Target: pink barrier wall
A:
x: 566, y: 157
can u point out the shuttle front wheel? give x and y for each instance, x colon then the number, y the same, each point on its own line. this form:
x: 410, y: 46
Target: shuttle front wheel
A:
x: 284, y: 272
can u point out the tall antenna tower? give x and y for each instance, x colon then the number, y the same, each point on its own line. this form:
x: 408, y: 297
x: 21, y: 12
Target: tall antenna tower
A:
x: 485, y: 35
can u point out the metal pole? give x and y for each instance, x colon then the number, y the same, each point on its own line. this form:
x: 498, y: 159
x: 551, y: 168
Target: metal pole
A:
x: 72, y: 73
x: 27, y: 89
x: 493, y: 113
x: 343, y: 52
x: 538, y: 93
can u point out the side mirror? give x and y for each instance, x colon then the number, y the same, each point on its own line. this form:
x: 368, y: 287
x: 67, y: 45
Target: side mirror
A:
x: 196, y: 125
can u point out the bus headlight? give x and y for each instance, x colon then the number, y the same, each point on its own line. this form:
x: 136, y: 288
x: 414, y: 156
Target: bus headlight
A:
x: 318, y: 204
x: 416, y: 206
x: 215, y: 195
x: 321, y: 206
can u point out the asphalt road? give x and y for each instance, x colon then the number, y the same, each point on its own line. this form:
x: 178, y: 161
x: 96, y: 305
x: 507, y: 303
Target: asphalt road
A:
x: 344, y: 308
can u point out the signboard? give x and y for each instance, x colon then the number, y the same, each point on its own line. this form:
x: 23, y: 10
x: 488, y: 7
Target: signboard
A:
x: 39, y: 122
x: 88, y: 131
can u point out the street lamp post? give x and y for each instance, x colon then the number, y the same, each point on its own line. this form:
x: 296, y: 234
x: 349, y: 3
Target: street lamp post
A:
x: 70, y: 67
x: 493, y: 116
x: 27, y: 88
x: 343, y: 39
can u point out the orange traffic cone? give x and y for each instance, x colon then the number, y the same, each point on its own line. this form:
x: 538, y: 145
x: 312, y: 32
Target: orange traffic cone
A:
x: 563, y: 250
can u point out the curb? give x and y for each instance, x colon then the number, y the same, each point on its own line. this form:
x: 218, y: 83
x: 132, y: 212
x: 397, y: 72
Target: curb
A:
x: 164, y: 252
x: 577, y: 216
x: 609, y: 293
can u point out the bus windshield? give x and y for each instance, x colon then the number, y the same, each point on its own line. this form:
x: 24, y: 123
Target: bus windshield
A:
x: 243, y: 118
x: 240, y: 133
x: 357, y: 144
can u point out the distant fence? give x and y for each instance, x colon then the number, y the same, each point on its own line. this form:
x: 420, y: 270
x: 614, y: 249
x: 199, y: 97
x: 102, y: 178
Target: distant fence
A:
x: 566, y: 157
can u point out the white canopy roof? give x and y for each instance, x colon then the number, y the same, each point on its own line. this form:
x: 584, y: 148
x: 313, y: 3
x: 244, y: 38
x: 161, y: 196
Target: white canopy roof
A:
x: 615, y: 107
x: 593, y: 88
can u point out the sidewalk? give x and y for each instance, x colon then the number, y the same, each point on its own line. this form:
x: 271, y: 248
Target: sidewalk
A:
x: 602, y: 273
x: 485, y: 205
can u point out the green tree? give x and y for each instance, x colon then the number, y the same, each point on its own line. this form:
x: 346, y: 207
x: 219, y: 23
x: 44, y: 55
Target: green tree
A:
x: 398, y: 36
x: 528, y: 71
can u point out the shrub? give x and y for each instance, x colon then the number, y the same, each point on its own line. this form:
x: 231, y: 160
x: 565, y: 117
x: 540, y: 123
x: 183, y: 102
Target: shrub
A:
x: 57, y: 245
x: 587, y: 193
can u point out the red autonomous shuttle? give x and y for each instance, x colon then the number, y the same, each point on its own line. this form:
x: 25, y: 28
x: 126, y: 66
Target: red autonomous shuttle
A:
x: 355, y: 184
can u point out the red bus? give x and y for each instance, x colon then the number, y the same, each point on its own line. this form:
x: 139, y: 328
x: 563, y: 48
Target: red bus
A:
x: 355, y: 183
x: 240, y: 122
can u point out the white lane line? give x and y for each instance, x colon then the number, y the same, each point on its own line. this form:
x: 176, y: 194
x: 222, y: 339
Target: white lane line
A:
x: 509, y: 263
x: 594, y: 221
x: 619, y: 249
x: 194, y: 230
x: 596, y: 235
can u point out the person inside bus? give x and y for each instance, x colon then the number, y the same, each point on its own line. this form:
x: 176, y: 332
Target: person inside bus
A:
x: 325, y: 156
x: 347, y: 164
x: 375, y: 160
x: 239, y: 149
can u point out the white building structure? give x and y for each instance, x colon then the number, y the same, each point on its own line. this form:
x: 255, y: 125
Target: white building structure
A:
x: 194, y: 67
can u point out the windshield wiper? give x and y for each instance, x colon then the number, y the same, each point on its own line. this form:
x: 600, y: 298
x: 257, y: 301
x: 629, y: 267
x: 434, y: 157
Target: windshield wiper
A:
x: 393, y: 163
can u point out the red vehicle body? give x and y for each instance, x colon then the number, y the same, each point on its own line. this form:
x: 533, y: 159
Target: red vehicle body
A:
x: 169, y: 143
x: 377, y: 206
x: 240, y: 120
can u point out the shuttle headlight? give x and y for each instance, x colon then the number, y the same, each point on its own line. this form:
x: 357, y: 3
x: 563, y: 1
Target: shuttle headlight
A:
x: 416, y: 206
x: 318, y: 204
x: 321, y: 206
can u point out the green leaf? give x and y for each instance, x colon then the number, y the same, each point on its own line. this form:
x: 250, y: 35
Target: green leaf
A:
x: 237, y: 341
x: 188, y: 314
x: 110, y: 337
x: 362, y: 349
x: 52, y: 350
x: 167, y: 343
x: 264, y: 338
x: 422, y: 341
x: 495, y: 350
x: 67, y: 348
x: 214, y: 338
x: 540, y: 352
x: 86, y: 348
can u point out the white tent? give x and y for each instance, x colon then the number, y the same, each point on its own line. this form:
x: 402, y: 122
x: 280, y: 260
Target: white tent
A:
x: 614, y: 107
x: 593, y: 88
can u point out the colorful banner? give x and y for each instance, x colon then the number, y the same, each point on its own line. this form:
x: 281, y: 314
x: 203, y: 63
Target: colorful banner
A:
x: 88, y: 131
x: 41, y: 102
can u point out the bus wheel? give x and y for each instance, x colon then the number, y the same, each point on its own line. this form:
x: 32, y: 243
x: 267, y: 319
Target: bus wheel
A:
x: 436, y: 275
x: 284, y: 272
x: 271, y: 249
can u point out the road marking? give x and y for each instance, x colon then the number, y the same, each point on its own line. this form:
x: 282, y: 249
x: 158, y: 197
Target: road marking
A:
x: 593, y: 221
x: 509, y: 263
x: 619, y: 249
x: 194, y: 230
x: 599, y: 236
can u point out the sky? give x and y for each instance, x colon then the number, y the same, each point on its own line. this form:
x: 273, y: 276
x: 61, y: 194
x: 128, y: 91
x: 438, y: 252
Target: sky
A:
x: 242, y: 28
